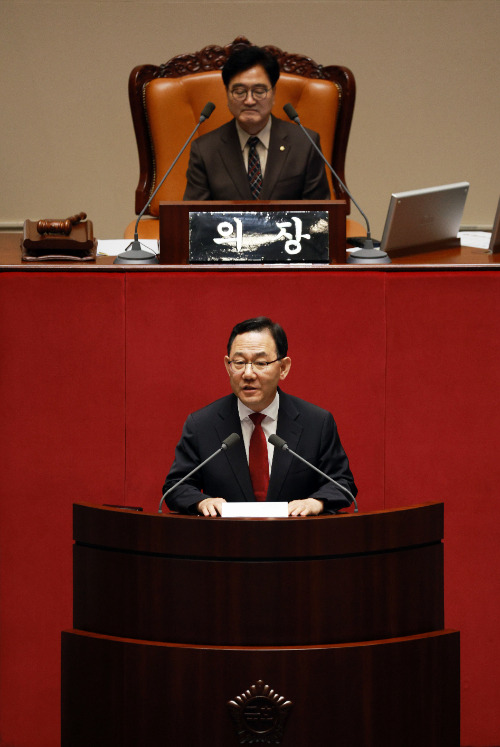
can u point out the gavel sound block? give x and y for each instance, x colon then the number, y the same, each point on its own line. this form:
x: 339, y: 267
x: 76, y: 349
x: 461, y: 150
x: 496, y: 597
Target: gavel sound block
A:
x: 62, y: 238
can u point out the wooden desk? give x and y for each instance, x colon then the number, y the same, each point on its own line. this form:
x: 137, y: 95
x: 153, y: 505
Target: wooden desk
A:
x: 463, y: 257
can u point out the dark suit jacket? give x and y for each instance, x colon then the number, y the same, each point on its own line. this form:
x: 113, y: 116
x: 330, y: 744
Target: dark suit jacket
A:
x: 308, y: 430
x: 294, y: 170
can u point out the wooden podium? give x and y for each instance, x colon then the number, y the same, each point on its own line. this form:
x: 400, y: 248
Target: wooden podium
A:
x: 324, y: 631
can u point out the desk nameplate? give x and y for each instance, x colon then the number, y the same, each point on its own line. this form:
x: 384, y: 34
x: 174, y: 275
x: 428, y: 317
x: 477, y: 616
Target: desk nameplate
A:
x: 176, y: 229
x: 259, y: 236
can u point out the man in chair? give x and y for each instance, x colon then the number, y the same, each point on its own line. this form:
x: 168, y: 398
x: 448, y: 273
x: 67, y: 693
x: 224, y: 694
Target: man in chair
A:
x: 255, y: 155
x: 256, y: 362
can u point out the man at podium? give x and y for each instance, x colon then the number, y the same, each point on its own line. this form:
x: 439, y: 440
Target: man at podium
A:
x: 255, y: 155
x: 253, y: 469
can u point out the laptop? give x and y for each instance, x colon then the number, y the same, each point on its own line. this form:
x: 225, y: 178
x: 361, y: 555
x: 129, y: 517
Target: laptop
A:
x: 424, y: 217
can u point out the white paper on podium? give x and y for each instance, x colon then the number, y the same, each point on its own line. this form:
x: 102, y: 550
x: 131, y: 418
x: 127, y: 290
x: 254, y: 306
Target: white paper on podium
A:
x: 257, y: 510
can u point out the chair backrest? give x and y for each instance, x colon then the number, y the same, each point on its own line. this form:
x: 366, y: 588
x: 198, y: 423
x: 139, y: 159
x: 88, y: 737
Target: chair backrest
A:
x: 166, y: 103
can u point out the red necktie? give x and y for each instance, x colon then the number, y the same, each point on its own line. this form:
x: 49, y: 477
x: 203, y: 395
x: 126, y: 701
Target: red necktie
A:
x: 258, y: 460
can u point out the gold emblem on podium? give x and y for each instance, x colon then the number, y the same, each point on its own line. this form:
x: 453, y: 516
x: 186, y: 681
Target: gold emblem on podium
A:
x: 259, y: 715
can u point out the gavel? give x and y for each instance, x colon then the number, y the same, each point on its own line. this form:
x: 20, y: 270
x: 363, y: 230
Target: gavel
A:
x: 63, y: 226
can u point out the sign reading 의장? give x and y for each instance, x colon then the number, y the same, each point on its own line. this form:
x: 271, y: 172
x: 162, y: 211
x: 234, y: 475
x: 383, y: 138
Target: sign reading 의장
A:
x: 264, y: 236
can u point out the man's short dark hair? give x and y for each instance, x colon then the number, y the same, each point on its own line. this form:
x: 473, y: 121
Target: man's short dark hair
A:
x: 258, y: 324
x: 247, y: 57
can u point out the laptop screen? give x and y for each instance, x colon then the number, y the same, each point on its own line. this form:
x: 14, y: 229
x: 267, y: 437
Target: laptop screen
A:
x: 424, y: 217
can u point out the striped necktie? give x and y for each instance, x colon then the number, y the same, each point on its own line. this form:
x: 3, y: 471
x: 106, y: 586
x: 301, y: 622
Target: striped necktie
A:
x: 254, y: 170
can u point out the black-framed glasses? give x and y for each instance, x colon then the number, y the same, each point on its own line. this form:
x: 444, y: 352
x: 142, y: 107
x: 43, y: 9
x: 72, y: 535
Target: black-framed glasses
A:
x: 258, y: 92
x: 238, y: 366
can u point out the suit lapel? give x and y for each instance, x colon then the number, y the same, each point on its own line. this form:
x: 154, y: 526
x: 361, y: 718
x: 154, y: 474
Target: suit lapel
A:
x: 277, y: 156
x: 232, y: 158
x: 289, y: 429
x: 229, y: 422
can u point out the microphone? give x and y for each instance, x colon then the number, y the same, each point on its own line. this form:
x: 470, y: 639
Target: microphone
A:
x: 226, y: 444
x: 133, y: 253
x: 368, y: 253
x: 279, y: 443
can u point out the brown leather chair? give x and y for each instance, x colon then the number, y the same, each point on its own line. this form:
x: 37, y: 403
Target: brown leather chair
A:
x: 166, y: 102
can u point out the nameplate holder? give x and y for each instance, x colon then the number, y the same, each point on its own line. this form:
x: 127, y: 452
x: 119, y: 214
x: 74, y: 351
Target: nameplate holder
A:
x: 271, y: 237
x: 188, y: 230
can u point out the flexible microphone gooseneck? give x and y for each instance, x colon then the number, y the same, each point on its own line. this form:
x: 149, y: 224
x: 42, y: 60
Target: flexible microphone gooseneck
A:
x: 134, y: 253
x: 279, y: 443
x: 368, y: 253
x: 226, y: 444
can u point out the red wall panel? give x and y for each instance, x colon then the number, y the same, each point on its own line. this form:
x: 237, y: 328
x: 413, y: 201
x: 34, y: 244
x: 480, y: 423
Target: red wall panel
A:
x: 62, y: 440
x: 443, y: 414
x: 99, y: 370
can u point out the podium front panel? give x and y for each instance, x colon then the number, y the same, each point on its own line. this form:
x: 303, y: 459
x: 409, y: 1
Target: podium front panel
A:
x: 383, y: 694
x: 334, y: 579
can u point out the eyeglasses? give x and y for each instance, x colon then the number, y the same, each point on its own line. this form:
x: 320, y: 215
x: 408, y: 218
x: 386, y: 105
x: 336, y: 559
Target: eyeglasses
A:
x: 256, y: 366
x: 239, y: 93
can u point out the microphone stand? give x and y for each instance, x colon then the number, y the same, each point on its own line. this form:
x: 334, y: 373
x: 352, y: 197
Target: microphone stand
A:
x: 226, y: 444
x: 134, y: 254
x: 280, y: 443
x: 368, y: 254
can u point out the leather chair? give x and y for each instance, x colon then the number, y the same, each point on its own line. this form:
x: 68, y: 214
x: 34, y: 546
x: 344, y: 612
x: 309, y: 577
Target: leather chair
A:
x: 166, y: 102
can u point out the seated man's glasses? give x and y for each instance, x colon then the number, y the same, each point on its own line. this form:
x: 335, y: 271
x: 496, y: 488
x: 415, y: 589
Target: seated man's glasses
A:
x: 238, y: 366
x: 258, y: 92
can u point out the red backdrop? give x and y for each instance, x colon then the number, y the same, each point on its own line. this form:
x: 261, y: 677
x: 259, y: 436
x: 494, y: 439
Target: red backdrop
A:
x: 100, y: 368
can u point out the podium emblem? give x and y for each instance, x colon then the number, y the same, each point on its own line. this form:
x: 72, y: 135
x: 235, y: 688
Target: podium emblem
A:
x: 259, y: 715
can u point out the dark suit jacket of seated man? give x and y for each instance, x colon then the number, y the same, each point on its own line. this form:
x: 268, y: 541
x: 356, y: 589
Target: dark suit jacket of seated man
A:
x: 309, y: 430
x: 218, y: 164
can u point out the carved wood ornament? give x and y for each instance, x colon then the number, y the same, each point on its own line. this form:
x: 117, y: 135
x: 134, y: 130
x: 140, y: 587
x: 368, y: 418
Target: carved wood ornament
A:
x: 259, y: 715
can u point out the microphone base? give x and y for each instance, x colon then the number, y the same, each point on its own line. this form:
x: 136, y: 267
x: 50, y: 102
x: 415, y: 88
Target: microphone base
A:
x: 135, y: 255
x: 368, y: 255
